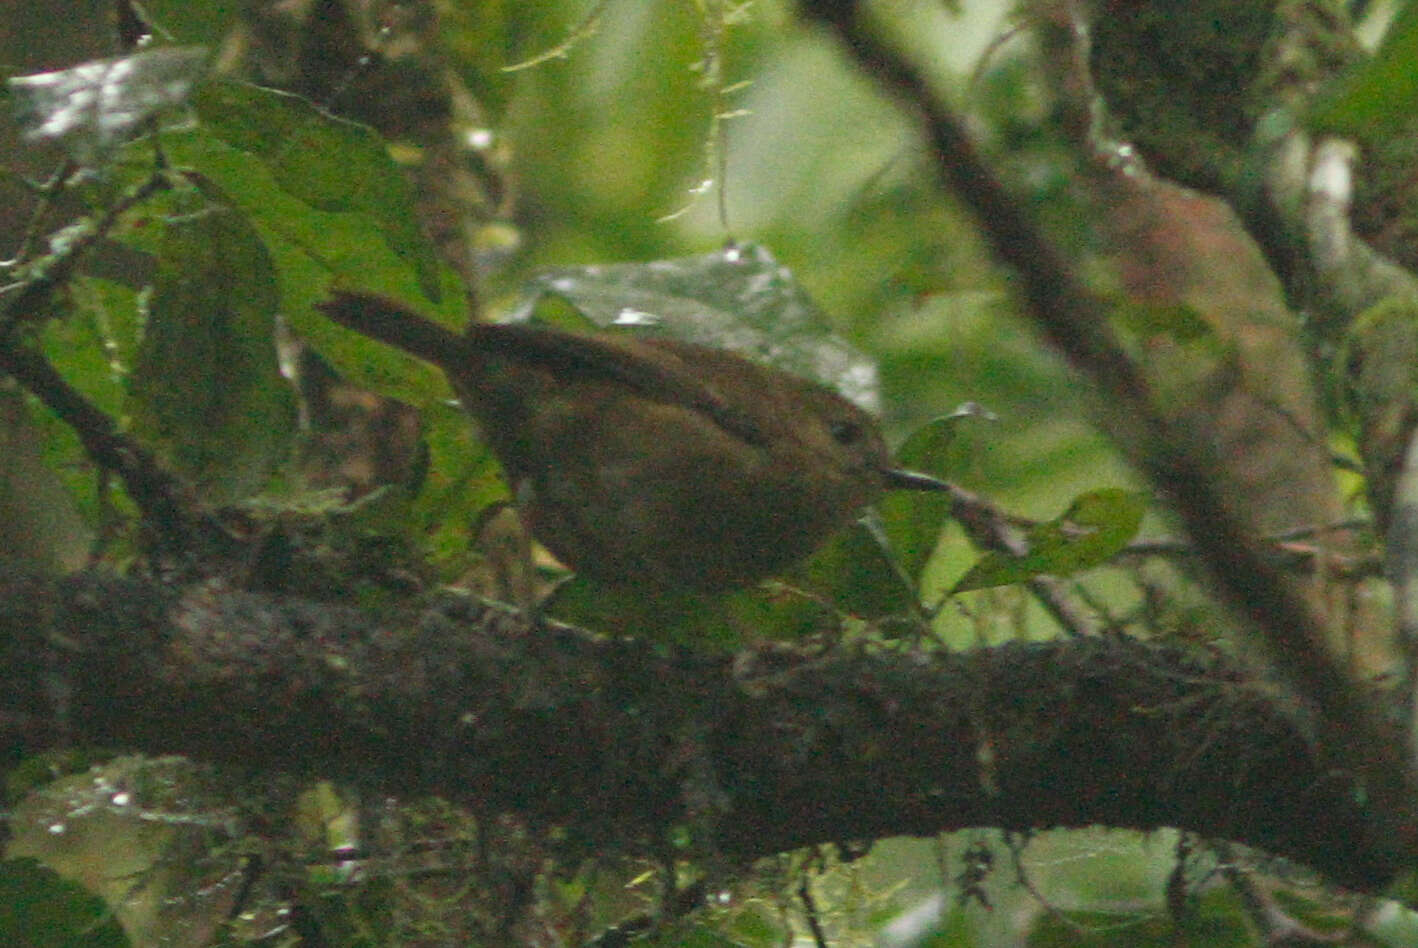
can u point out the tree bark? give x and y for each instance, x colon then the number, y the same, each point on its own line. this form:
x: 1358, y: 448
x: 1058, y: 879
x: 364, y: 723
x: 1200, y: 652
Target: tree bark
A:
x: 754, y: 754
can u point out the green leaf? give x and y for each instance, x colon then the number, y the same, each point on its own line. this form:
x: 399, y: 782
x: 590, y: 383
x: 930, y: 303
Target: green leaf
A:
x: 854, y: 571
x: 206, y: 390
x: 40, y: 909
x: 312, y: 249
x: 463, y: 479
x: 1096, y: 525
x: 95, y: 343
x: 1179, y: 322
x: 92, y: 346
x: 326, y: 163
x: 739, y: 299
x: 95, y: 107
x: 912, y: 520
x: 40, y: 526
x: 1379, y: 95
x: 191, y: 22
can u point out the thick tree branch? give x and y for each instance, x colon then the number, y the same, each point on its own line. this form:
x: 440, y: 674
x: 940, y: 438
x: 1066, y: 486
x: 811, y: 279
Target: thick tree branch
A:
x: 757, y: 754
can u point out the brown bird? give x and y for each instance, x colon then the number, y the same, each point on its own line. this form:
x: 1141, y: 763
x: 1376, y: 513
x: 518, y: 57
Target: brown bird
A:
x: 652, y: 461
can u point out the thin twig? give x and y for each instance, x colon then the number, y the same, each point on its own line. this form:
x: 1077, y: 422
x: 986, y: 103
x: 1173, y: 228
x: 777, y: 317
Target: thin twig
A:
x: 989, y: 528
x: 1403, y: 574
x: 810, y: 911
x: 1291, y: 556
x: 1277, y: 925
x: 46, y: 193
x: 24, y: 297
x: 163, y: 499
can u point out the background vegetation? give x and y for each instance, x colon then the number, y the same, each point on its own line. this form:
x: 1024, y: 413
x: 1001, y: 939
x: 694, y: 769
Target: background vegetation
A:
x: 513, y: 138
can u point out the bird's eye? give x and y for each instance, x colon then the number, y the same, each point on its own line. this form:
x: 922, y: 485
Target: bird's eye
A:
x: 846, y: 432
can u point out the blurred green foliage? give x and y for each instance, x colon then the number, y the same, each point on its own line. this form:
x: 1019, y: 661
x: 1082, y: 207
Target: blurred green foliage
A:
x: 42, y: 910
x: 606, y: 142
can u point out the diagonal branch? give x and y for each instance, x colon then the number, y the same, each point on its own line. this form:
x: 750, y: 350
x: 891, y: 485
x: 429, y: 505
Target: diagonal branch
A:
x: 164, y: 500
x: 1076, y: 322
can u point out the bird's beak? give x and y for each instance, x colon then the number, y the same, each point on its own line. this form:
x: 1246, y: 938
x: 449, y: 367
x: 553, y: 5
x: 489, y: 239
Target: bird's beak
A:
x: 897, y: 479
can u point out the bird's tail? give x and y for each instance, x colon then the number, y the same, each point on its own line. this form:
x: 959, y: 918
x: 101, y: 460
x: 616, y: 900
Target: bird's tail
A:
x: 391, y: 322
